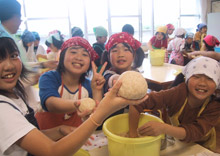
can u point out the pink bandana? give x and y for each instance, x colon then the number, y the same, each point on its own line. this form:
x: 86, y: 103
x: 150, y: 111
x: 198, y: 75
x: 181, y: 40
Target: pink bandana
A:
x: 79, y: 41
x: 211, y: 40
x: 170, y: 26
x: 122, y: 37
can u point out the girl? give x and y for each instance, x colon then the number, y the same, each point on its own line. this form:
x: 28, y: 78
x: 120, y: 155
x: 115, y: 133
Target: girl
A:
x: 54, y: 43
x: 170, y: 29
x: 191, y: 104
x: 59, y: 89
x: 123, y: 53
x: 27, y: 46
x: 209, y: 43
x: 199, y: 35
x: 19, y: 134
x: 176, y: 47
x: 159, y: 41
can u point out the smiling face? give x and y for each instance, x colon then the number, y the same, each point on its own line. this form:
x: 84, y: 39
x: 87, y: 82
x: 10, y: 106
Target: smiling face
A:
x: 159, y: 35
x: 201, y: 86
x: 77, y: 60
x: 10, y: 71
x: 121, y: 58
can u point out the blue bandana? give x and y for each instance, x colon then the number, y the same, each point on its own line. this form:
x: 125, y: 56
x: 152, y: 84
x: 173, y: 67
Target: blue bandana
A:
x: 27, y: 37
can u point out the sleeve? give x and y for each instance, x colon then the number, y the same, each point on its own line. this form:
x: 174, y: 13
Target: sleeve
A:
x: 41, y: 50
x: 169, y: 48
x: 87, y: 85
x: 49, y: 84
x: 171, y: 99
x: 13, y: 126
x: 203, y: 124
x: 152, y: 40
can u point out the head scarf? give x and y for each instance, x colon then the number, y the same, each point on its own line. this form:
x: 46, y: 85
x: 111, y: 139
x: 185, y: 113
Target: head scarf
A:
x: 179, y: 32
x: 162, y: 29
x: 79, y: 41
x: 170, y: 26
x: 122, y: 37
x: 203, y: 65
x: 76, y: 31
x: 128, y: 28
x: 36, y: 35
x: 200, y: 26
x: 211, y: 40
x: 9, y: 8
x: 27, y: 37
x: 189, y: 35
x: 100, y: 31
x: 56, y: 35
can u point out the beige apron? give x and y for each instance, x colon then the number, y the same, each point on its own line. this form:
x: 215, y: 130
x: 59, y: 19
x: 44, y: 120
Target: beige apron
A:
x: 209, y: 140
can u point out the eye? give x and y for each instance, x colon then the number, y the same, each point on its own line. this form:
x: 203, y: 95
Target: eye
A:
x: 85, y: 54
x: 15, y: 55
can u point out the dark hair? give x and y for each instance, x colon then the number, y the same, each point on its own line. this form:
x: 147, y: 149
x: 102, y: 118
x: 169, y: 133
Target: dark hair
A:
x: 76, y: 31
x: 179, y: 79
x: 128, y: 28
x: 9, y: 8
x: 164, y: 35
x: 138, y: 56
x: 7, y: 47
x: 61, y: 68
x: 209, y: 48
x: 56, y: 43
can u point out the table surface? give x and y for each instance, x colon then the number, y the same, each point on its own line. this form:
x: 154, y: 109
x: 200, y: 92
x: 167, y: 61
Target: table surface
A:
x: 178, y: 149
x: 159, y: 74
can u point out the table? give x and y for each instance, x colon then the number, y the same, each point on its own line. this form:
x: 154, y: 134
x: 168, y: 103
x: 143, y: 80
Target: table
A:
x: 178, y: 149
x: 159, y: 75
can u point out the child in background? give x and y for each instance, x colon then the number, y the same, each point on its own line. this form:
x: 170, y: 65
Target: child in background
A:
x: 189, y: 42
x: 170, y: 29
x: 54, y: 43
x: 159, y: 41
x: 76, y: 31
x: 27, y: 45
x: 209, y: 43
x: 59, y: 89
x: 101, y: 37
x: 38, y: 49
x: 128, y: 28
x: 199, y: 35
x: 192, y: 107
x: 176, y: 47
x: 124, y: 53
x: 19, y: 135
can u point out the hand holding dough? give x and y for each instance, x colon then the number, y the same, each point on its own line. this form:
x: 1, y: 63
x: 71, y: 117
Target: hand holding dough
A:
x: 87, y: 104
x: 134, y: 85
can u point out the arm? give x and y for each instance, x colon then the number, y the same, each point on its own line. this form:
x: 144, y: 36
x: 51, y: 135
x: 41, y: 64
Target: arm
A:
x: 149, y: 45
x: 37, y: 143
x: 210, y: 54
x: 134, y: 116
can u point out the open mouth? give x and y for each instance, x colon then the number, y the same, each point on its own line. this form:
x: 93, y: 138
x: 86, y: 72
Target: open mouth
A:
x: 201, y: 90
x: 77, y: 65
x: 121, y: 61
x: 8, y: 76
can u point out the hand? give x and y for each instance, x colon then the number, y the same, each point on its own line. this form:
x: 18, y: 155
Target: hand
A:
x: 50, y: 64
x: 98, y: 80
x: 151, y: 128
x: 112, y: 102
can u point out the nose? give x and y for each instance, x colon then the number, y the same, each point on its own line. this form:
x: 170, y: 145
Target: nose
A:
x: 8, y: 65
x: 203, y: 80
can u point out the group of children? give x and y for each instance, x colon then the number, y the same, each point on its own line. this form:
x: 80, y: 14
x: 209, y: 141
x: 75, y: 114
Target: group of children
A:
x: 191, y: 102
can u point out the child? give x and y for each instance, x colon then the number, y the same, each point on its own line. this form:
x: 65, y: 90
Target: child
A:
x: 199, y: 35
x: 54, y: 43
x: 170, y: 29
x: 128, y: 28
x: 19, y: 134
x: 159, y: 41
x: 189, y: 42
x: 27, y: 45
x: 124, y: 53
x: 176, y: 47
x: 60, y: 88
x: 101, y: 37
x: 209, y: 43
x: 38, y: 49
x: 191, y: 104
x: 76, y: 31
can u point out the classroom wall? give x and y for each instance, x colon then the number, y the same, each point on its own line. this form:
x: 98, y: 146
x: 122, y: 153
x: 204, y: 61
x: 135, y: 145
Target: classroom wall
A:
x: 214, y: 24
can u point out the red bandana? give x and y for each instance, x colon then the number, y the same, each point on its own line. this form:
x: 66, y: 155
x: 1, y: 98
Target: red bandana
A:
x: 122, y: 37
x: 211, y: 40
x: 79, y: 41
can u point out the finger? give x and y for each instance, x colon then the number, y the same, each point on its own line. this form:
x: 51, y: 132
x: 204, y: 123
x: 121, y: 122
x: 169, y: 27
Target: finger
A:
x: 94, y: 68
x: 116, y: 87
x: 103, y: 68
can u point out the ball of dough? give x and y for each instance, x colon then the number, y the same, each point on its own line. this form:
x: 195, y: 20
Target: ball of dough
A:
x: 134, y: 85
x: 86, y: 104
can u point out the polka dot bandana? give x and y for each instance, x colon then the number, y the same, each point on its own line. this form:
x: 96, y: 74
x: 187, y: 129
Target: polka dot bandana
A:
x: 122, y: 37
x: 203, y: 65
x: 79, y: 41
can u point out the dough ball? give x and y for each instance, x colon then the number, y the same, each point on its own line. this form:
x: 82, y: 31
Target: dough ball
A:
x: 87, y: 104
x: 134, y: 85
